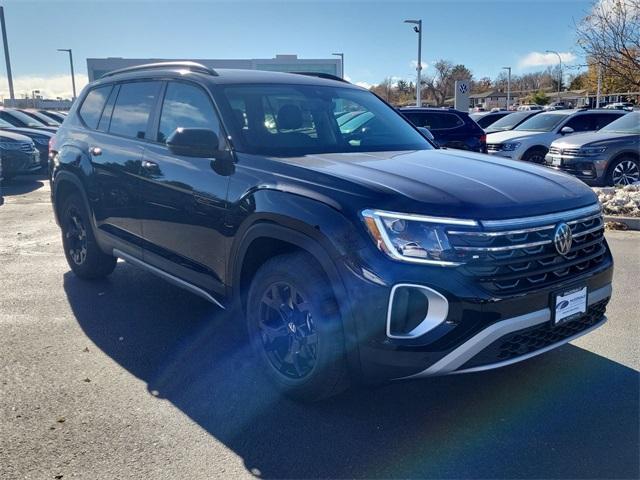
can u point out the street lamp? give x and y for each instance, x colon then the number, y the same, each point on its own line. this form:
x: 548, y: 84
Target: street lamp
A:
x: 508, y: 69
x: 559, y: 73
x: 341, y: 55
x: 73, y: 77
x: 418, y: 29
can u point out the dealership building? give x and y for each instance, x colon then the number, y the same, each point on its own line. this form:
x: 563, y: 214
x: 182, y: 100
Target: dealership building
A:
x: 97, y: 67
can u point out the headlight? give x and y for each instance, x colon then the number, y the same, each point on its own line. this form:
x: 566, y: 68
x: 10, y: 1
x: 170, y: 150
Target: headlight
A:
x: 414, y: 238
x: 510, y: 147
x: 588, y: 151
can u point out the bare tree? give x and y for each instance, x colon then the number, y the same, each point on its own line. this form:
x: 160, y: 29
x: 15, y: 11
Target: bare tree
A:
x: 610, y: 37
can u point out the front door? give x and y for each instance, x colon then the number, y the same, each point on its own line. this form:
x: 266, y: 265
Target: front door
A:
x: 183, y: 209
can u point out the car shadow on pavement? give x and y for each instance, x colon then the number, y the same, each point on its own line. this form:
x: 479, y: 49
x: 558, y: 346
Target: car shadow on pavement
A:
x: 567, y: 414
x: 22, y: 184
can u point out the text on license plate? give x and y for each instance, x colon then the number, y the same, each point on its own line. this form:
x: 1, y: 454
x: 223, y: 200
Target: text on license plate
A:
x: 570, y: 303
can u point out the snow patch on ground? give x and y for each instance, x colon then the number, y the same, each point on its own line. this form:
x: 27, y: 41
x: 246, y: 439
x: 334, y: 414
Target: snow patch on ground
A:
x: 623, y: 201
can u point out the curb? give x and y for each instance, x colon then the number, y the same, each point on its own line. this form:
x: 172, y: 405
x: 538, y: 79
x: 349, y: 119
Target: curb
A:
x: 632, y: 223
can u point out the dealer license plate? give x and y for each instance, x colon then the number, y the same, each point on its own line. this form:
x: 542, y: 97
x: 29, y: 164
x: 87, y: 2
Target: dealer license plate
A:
x: 570, y: 305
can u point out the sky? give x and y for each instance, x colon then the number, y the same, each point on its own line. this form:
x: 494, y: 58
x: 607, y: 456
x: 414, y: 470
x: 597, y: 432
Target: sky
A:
x: 483, y: 35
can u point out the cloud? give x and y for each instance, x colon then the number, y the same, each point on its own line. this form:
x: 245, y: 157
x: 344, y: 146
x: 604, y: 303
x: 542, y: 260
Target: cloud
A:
x: 366, y: 85
x: 538, y: 59
x: 50, y: 86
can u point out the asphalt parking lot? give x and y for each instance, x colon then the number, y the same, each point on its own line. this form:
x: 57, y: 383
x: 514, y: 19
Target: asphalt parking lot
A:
x: 134, y: 378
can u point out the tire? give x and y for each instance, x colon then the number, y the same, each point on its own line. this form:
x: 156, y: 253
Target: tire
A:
x: 535, y: 155
x: 295, y: 328
x: 83, y: 254
x: 623, y: 171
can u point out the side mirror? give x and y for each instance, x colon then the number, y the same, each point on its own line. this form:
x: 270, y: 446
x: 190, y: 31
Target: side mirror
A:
x: 194, y: 142
x: 566, y: 130
x: 427, y: 134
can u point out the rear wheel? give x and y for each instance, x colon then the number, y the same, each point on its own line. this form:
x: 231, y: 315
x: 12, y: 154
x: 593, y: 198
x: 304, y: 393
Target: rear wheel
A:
x: 535, y: 155
x: 624, y: 171
x: 80, y: 247
x: 295, y: 328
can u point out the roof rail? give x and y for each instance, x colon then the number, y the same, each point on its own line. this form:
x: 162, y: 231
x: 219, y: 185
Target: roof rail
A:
x: 326, y: 76
x: 192, y: 66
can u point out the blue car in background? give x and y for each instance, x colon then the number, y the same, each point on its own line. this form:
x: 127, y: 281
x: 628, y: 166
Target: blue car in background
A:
x: 450, y: 128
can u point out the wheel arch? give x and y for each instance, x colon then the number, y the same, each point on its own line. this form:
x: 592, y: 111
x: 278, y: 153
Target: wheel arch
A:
x: 262, y: 241
x: 64, y: 184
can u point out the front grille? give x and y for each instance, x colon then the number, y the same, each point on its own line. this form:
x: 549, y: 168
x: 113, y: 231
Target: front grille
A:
x: 528, y: 340
x: 515, y: 260
x: 26, y: 147
x: 494, y: 147
x: 564, y: 151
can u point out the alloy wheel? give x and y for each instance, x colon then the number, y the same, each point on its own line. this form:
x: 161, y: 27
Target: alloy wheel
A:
x: 287, y: 331
x: 625, y: 173
x: 76, y: 237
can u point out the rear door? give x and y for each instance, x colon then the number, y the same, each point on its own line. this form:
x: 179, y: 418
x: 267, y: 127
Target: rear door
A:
x: 116, y: 147
x: 183, y: 208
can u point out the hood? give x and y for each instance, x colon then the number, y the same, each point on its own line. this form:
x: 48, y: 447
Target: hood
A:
x: 510, y: 136
x: 451, y: 183
x: 579, y: 139
x: 29, y: 131
x: 4, y: 134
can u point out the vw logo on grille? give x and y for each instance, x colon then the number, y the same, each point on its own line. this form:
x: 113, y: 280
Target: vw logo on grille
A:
x: 562, y: 238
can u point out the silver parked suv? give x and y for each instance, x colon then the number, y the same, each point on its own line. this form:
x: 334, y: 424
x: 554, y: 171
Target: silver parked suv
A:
x: 610, y: 156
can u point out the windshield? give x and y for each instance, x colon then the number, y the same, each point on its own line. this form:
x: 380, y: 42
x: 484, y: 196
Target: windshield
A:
x: 476, y: 116
x: 629, y: 123
x: 292, y: 120
x: 44, y: 119
x: 543, y: 122
x: 509, y: 121
x: 26, y: 119
x: 5, y: 124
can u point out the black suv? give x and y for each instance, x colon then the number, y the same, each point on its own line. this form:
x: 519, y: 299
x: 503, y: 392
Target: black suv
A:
x: 450, y: 128
x: 364, y: 253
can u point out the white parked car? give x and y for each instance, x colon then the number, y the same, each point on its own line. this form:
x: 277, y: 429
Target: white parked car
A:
x: 523, y: 108
x: 530, y: 140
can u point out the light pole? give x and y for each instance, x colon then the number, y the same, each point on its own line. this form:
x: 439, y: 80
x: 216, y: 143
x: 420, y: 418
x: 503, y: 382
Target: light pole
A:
x: 599, y: 90
x: 417, y: 27
x: 559, y: 73
x: 341, y: 55
x: 6, y: 54
x: 73, y: 77
x: 508, y: 69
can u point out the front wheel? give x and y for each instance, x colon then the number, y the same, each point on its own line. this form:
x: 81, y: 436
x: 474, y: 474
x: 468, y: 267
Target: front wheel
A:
x: 624, y: 171
x: 535, y: 155
x: 295, y: 328
x: 80, y: 247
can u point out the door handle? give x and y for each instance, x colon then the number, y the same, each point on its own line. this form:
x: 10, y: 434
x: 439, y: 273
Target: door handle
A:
x: 147, y: 164
x: 95, y: 151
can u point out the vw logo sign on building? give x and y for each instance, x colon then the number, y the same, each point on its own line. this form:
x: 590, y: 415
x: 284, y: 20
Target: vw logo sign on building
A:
x: 562, y: 238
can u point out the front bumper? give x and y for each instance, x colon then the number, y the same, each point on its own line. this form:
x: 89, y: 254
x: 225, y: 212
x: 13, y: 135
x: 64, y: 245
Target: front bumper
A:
x: 591, y: 170
x: 476, y: 320
x: 510, y: 154
x: 16, y: 161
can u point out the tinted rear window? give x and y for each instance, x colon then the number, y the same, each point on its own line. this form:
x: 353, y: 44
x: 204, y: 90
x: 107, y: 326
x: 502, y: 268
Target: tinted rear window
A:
x: 434, y: 120
x: 93, y: 104
x: 133, y: 108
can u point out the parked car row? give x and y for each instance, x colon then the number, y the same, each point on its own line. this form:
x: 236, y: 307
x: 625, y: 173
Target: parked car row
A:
x: 24, y: 139
x: 548, y: 137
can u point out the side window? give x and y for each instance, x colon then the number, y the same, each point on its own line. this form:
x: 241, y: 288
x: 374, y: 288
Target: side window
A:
x: 186, y: 106
x: 449, y: 120
x: 603, y: 119
x: 105, y: 119
x: 92, y: 105
x: 132, y: 109
x: 581, y: 123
